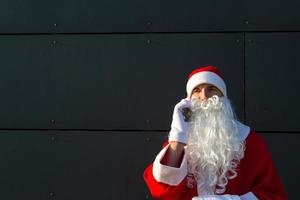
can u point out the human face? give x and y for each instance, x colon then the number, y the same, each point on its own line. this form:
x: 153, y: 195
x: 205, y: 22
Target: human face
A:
x: 205, y: 91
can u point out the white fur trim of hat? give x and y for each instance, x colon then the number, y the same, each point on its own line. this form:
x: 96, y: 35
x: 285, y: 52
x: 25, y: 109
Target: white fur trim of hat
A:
x: 209, y: 75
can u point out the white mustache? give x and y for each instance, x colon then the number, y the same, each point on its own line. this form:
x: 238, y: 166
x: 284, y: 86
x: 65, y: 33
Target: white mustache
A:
x: 212, y: 101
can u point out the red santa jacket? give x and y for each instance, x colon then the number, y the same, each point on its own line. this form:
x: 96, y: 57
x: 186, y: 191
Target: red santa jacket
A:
x: 256, y: 179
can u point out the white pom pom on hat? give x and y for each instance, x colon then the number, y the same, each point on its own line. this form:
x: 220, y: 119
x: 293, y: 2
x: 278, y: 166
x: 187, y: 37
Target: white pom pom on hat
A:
x: 209, y: 75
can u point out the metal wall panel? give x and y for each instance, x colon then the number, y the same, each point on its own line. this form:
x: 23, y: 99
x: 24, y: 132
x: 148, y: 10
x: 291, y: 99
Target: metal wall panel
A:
x: 65, y: 165
x: 272, y: 85
x: 27, y: 163
x: 284, y: 148
x: 76, y: 165
x: 65, y: 16
x: 108, y: 81
x: 277, y: 15
x: 116, y: 16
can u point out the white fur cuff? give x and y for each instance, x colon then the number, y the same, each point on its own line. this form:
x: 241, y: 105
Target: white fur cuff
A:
x: 167, y: 174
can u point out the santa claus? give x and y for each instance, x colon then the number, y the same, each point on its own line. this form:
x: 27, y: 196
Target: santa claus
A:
x: 210, y: 155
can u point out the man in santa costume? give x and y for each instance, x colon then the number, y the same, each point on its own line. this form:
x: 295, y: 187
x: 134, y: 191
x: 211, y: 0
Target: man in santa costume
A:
x: 210, y: 155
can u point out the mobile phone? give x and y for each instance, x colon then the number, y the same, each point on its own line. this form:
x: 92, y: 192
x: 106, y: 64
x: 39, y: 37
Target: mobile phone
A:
x: 187, y: 113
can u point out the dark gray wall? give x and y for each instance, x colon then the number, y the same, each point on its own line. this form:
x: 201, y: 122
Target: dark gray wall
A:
x: 88, y: 87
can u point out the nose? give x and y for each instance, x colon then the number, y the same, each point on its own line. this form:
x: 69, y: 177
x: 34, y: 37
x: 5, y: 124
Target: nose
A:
x: 203, y: 95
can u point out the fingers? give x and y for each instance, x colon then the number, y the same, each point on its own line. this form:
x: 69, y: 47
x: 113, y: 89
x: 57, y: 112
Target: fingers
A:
x: 184, y: 103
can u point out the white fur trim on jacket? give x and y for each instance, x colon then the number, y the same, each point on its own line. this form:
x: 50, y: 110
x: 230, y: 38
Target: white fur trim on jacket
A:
x: 167, y: 174
x: 249, y: 196
x: 217, y: 197
x: 244, y: 130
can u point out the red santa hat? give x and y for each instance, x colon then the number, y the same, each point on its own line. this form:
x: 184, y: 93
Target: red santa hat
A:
x: 209, y: 75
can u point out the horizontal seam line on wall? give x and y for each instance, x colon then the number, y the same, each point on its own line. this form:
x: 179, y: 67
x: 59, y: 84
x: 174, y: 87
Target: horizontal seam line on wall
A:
x: 130, y: 130
x: 120, y: 33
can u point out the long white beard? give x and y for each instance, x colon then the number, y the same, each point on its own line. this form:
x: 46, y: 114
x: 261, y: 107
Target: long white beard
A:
x: 214, y: 147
